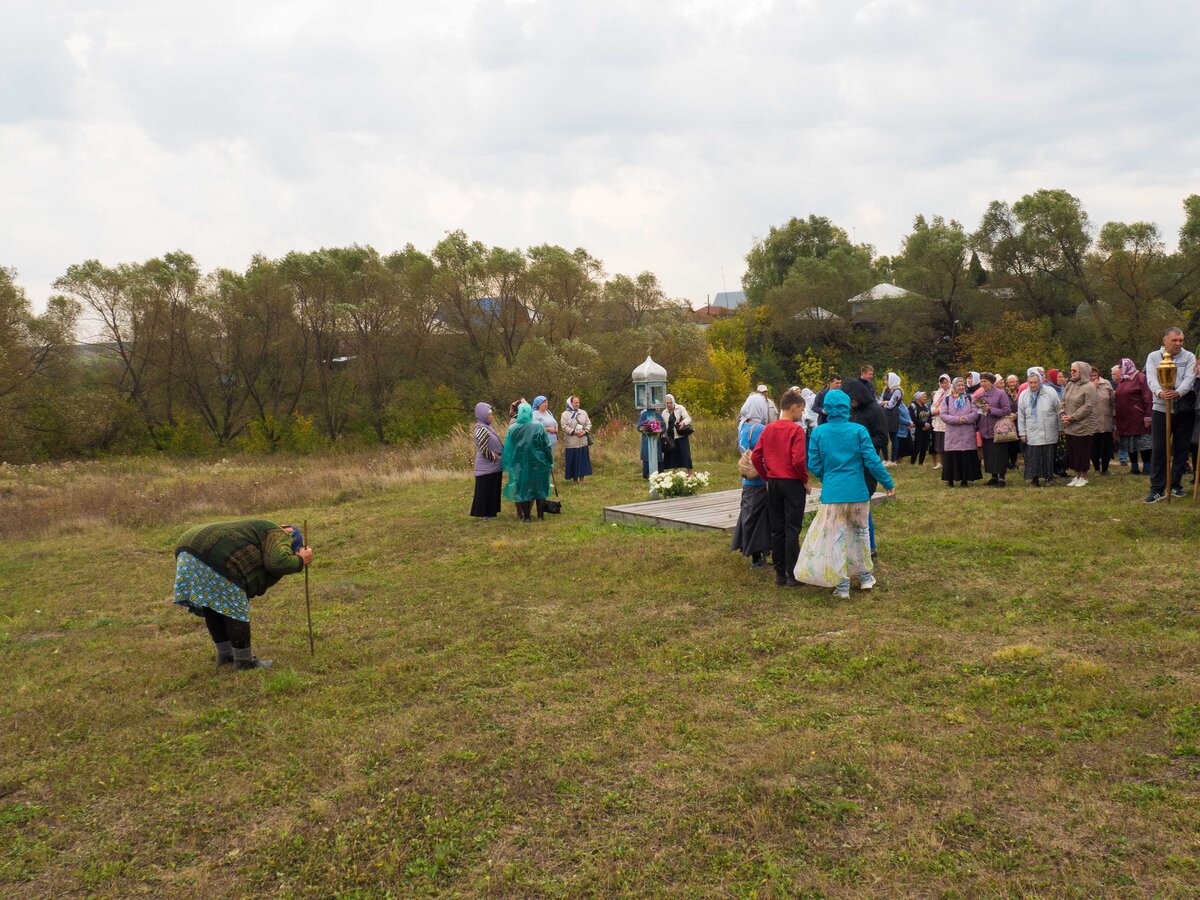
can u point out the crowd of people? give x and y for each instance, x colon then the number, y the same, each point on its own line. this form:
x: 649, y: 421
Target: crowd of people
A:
x: 1052, y: 424
x: 847, y: 436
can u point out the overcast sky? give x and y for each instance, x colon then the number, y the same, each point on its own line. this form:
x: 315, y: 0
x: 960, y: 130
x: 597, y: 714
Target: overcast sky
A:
x: 661, y: 135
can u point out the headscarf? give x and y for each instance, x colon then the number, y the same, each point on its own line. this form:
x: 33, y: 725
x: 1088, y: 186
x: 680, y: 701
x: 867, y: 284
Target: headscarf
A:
x: 1035, y: 372
x: 974, y: 382
x: 1085, y: 371
x: 754, y: 409
x: 809, y: 397
x: 918, y: 395
x: 947, y: 377
x: 670, y: 397
x: 750, y: 409
x: 1129, y: 369
x: 538, y: 400
x: 482, y: 411
x: 297, y: 537
x: 958, y: 400
x: 893, y: 380
x: 1053, y: 376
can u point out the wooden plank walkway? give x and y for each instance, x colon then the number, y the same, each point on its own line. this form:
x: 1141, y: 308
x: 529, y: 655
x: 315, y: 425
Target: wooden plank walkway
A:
x: 717, y: 511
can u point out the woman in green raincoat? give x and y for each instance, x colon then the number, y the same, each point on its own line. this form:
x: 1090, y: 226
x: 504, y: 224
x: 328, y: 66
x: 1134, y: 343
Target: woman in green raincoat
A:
x: 527, y: 460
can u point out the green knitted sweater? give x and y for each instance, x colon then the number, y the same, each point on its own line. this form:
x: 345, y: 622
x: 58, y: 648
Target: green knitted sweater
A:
x: 252, y: 553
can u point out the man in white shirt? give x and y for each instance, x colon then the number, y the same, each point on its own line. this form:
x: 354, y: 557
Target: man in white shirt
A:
x: 1183, y: 415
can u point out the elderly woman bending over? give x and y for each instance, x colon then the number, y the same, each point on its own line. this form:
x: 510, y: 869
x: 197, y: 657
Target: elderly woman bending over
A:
x: 222, y: 566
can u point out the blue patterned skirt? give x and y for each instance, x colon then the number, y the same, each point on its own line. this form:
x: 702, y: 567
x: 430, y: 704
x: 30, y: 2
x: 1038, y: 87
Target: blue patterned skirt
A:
x: 197, y: 586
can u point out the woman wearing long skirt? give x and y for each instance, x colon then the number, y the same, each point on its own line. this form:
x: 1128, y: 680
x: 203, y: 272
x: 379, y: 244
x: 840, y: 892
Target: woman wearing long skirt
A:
x: 837, y: 546
x: 960, y: 454
x: 488, y: 474
x: 1078, y: 409
x: 677, y: 446
x: 1134, y: 404
x: 1038, y: 424
x: 752, y: 533
x: 938, y: 439
x: 576, y: 429
x: 994, y: 405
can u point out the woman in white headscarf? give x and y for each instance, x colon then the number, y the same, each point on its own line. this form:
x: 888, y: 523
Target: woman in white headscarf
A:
x: 809, y: 419
x: 677, y: 449
x: 752, y: 533
x: 937, y: 448
x: 891, y: 400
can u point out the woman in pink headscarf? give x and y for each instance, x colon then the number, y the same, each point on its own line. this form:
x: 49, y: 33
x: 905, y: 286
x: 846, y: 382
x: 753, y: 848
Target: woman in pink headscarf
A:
x: 1134, y: 403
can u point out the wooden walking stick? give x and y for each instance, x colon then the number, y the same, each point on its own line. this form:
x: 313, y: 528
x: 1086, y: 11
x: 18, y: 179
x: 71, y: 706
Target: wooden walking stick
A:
x: 307, y: 603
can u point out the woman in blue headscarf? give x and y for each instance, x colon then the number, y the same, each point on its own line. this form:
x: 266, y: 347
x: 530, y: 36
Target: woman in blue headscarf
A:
x: 542, y: 416
x: 527, y: 459
x: 651, y: 425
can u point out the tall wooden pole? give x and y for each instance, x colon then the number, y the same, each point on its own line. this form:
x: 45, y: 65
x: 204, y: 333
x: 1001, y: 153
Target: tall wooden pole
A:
x: 307, y: 604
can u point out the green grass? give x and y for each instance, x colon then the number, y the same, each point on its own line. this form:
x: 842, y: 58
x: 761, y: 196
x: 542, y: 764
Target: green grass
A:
x: 576, y: 708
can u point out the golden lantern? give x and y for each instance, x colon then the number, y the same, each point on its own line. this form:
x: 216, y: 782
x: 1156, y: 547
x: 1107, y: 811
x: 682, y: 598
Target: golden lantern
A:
x: 1166, y: 381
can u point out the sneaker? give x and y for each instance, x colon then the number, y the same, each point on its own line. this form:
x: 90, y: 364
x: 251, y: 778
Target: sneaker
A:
x: 842, y: 591
x: 866, y: 583
x: 1082, y: 482
x: 1074, y: 482
x: 1154, y: 497
x: 1177, y: 493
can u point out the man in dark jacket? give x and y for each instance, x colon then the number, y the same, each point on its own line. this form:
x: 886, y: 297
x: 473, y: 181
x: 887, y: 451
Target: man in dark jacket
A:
x: 818, y: 408
x: 865, y: 409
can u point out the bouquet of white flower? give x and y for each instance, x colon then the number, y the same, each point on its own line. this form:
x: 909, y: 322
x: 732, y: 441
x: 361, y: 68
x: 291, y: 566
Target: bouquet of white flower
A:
x: 677, y: 483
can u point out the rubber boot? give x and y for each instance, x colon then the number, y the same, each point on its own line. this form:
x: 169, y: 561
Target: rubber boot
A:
x: 244, y: 658
x: 224, y: 654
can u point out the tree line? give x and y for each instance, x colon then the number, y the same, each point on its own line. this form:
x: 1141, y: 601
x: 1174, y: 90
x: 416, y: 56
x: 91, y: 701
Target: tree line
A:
x: 1035, y: 282
x: 348, y: 347
x: 340, y: 347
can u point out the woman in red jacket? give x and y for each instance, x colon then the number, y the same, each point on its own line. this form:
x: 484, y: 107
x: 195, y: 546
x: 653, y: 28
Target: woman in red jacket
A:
x: 1134, y: 403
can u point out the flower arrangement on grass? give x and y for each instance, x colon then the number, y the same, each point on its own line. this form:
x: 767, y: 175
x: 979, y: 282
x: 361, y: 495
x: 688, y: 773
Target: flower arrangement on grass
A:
x: 677, y: 483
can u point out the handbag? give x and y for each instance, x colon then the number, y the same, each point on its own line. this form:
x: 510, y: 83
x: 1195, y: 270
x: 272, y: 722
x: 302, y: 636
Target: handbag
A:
x: 552, y: 506
x: 685, y: 430
x: 590, y: 439
x: 746, y: 466
x: 1006, y: 430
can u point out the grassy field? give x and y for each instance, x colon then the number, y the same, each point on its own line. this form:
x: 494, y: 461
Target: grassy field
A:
x: 574, y: 708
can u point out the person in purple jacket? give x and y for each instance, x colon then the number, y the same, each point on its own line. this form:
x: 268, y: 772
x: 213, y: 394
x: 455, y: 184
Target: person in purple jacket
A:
x: 994, y: 404
x: 488, y: 475
x: 960, y: 454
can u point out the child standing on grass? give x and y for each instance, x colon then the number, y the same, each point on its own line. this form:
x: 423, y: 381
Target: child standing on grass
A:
x: 838, y: 544
x: 780, y: 458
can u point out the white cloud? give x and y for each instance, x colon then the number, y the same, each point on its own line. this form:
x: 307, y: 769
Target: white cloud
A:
x: 659, y: 136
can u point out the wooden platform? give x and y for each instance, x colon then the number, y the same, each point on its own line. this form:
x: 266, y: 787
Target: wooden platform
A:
x: 704, y: 512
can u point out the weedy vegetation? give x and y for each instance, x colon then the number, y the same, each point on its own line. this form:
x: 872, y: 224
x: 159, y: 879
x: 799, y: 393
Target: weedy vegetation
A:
x: 576, y: 708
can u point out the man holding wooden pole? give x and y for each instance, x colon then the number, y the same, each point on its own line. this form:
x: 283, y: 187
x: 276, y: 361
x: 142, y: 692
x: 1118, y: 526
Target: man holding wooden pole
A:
x: 1173, y: 415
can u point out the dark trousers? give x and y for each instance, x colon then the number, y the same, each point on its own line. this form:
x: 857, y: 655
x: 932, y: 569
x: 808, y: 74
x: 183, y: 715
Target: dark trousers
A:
x: 1181, y: 443
x: 222, y: 629
x: 920, y: 447
x: 524, y: 508
x: 785, y: 514
x: 1102, y: 449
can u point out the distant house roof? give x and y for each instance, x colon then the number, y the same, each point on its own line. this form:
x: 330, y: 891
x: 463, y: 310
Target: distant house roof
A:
x: 729, y: 299
x: 818, y: 314
x: 882, y: 291
x: 706, y: 315
x: 863, y: 309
